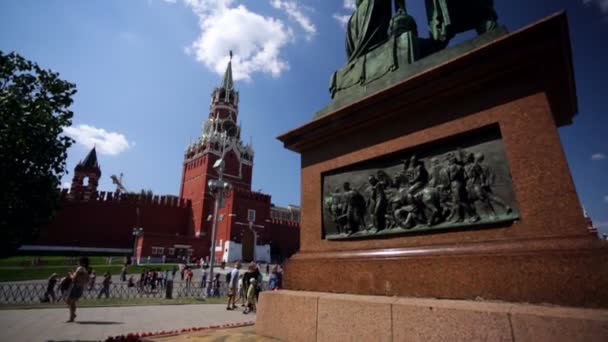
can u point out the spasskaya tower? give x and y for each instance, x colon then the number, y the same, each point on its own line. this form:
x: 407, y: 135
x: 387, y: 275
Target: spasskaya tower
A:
x: 220, y: 128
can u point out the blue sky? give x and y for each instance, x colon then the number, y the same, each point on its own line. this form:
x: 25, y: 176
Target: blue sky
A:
x: 145, y: 70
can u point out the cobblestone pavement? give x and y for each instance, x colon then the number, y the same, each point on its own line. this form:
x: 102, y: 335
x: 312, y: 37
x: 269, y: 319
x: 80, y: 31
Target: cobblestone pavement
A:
x: 94, y: 324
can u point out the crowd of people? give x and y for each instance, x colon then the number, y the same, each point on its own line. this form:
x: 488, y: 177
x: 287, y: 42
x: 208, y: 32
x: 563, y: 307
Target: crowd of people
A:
x: 245, y: 288
x: 242, y: 287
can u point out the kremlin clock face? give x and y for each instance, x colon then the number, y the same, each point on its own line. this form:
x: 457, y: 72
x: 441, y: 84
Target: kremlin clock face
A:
x: 230, y: 128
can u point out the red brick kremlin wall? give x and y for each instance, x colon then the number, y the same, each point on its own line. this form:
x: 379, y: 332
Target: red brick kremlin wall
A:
x: 107, y: 222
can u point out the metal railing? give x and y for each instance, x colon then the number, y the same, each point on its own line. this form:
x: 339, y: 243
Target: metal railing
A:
x: 30, y: 293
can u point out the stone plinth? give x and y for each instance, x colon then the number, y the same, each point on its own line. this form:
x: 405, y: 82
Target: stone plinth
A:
x: 521, y: 85
x: 313, y: 316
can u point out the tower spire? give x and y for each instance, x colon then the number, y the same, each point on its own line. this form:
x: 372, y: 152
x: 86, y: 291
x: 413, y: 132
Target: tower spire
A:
x: 90, y: 161
x: 227, y: 83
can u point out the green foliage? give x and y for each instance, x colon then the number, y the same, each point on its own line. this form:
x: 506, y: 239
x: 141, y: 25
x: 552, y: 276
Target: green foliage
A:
x: 34, y: 110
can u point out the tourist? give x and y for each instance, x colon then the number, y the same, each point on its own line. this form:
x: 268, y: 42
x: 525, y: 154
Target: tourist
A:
x: 79, y: 281
x: 92, y: 279
x: 64, y: 285
x: 204, y: 280
x: 188, y: 275
x: 105, y: 285
x: 153, y: 279
x: 247, y: 276
x: 142, y: 281
x: 49, y: 295
x: 131, y: 282
x: 275, y: 280
x: 174, y: 272
x: 251, y: 297
x: 159, y: 279
x: 232, y: 286
x: 123, y: 273
x: 241, y: 291
x: 216, y: 285
x: 257, y: 275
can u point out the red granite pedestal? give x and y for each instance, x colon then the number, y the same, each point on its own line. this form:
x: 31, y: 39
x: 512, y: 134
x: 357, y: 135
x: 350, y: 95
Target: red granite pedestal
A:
x: 523, y: 84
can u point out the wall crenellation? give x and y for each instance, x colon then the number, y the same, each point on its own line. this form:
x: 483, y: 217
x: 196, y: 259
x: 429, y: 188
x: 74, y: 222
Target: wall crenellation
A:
x: 109, y: 196
x: 258, y: 196
x: 286, y: 223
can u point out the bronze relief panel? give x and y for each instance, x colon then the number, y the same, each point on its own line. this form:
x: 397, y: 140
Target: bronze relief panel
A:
x: 456, y: 183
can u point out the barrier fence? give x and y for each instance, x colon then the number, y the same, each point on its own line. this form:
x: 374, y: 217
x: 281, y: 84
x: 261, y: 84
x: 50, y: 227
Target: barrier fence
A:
x: 30, y: 293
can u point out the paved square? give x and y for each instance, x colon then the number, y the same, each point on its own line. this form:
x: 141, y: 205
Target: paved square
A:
x: 94, y: 324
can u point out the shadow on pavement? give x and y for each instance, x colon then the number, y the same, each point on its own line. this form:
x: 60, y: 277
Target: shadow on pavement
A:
x: 98, y: 322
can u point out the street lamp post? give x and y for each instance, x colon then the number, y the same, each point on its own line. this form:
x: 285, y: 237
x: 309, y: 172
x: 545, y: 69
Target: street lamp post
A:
x: 137, y: 231
x: 218, y: 187
x: 255, y: 239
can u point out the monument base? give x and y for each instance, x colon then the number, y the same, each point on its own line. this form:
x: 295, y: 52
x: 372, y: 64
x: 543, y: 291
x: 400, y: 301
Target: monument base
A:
x: 517, y: 89
x: 568, y: 271
x: 318, y: 316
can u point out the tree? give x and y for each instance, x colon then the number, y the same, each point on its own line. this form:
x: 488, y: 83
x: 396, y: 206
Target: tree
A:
x: 33, y: 112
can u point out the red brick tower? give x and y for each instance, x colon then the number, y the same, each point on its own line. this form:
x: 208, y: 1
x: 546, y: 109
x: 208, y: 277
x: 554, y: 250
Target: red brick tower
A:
x: 86, y: 177
x: 202, y: 154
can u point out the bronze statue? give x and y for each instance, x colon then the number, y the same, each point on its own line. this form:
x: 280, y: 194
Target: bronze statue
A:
x: 450, y: 17
x: 380, y: 40
x: 367, y: 27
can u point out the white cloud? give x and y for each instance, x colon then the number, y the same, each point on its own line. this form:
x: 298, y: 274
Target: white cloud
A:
x: 601, y: 4
x: 350, y: 5
x: 256, y: 40
x: 598, y: 156
x: 342, y: 18
x: 295, y: 12
x: 110, y: 143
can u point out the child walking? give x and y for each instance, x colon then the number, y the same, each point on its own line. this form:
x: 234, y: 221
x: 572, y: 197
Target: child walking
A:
x: 251, y: 297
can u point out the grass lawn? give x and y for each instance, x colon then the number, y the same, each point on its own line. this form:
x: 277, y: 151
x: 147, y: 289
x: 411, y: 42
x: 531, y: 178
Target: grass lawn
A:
x: 56, y: 260
x: 16, y: 273
x: 118, y: 302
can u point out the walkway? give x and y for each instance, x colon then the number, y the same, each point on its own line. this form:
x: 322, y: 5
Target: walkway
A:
x: 94, y: 324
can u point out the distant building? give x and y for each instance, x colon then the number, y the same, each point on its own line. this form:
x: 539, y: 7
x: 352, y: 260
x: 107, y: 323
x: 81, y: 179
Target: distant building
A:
x: 592, y: 229
x: 289, y: 213
x: 180, y: 227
